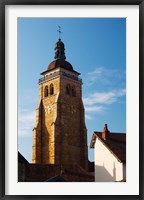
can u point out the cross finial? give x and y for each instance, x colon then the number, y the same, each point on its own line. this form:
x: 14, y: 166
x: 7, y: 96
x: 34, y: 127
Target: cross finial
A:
x: 59, y: 30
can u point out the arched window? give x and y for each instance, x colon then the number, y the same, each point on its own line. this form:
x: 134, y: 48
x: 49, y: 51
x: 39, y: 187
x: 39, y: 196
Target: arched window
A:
x: 46, y: 91
x: 68, y: 89
x: 73, y: 91
x: 51, y: 89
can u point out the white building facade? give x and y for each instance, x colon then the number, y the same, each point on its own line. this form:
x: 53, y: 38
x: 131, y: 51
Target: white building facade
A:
x: 109, y: 155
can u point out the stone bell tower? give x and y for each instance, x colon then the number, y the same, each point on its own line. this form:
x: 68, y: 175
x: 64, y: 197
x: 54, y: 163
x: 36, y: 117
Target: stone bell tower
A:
x: 60, y: 134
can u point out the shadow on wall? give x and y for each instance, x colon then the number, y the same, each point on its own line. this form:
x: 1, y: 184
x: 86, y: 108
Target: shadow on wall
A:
x: 102, y: 175
x: 45, y: 147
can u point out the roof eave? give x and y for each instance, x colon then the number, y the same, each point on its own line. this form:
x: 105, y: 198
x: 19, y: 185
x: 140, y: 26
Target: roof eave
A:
x: 92, y: 143
x: 49, y: 70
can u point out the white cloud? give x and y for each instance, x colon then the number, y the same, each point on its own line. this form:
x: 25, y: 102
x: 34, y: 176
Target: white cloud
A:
x: 26, y: 122
x: 101, y: 74
x: 28, y: 100
x: 104, y: 76
x: 88, y: 116
x: 26, y: 113
x: 104, y: 97
x: 27, y: 116
x: 97, y: 101
x: 94, y: 108
x: 96, y: 73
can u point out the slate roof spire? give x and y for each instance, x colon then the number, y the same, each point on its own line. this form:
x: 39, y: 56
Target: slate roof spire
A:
x: 59, y: 48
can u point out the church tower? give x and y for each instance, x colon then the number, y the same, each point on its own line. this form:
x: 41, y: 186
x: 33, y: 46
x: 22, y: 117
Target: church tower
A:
x: 60, y: 134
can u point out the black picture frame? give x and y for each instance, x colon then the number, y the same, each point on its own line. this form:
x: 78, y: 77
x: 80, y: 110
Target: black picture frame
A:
x: 3, y: 3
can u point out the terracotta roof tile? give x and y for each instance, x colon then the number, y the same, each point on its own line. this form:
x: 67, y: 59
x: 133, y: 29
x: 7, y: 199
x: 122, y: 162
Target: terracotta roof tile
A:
x: 60, y: 63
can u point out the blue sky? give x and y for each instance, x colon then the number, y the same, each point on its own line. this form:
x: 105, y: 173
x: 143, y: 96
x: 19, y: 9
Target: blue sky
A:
x: 96, y: 47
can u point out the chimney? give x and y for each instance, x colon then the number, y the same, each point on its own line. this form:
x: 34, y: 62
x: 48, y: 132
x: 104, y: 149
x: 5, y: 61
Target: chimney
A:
x: 105, y: 133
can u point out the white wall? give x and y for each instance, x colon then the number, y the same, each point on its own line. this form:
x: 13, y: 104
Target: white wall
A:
x: 107, y: 167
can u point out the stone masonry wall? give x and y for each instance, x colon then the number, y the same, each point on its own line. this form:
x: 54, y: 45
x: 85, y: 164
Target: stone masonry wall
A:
x: 63, y: 135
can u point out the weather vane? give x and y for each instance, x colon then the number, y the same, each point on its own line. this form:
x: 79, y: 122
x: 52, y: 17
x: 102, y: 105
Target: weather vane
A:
x: 59, y: 30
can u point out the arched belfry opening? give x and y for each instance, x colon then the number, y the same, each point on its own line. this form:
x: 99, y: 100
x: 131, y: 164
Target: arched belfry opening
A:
x: 51, y: 89
x: 46, y: 91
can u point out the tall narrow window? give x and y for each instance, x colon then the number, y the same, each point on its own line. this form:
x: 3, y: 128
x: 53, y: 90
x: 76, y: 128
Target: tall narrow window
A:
x: 73, y: 91
x: 46, y: 91
x: 51, y: 89
x: 68, y: 89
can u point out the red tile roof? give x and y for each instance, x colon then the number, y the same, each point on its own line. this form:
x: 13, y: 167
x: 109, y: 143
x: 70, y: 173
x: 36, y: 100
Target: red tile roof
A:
x: 60, y: 63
